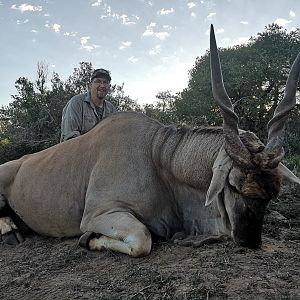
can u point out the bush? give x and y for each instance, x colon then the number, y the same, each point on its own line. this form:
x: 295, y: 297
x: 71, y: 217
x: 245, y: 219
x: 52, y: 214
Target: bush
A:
x: 293, y: 163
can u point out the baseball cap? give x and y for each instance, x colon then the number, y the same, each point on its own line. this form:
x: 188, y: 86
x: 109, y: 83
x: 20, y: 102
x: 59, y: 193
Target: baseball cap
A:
x: 98, y: 73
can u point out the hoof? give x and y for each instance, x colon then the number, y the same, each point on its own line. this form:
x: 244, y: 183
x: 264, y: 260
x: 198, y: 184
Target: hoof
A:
x: 85, y: 239
x: 12, y: 238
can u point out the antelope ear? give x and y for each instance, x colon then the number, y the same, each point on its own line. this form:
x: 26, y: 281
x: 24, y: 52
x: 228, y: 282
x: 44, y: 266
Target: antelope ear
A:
x: 221, y: 168
x: 287, y: 174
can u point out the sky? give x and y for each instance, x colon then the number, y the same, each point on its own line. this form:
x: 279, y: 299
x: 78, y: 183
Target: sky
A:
x: 149, y: 45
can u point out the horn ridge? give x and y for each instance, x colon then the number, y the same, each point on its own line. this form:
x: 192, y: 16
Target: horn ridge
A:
x: 276, y: 125
x: 233, y: 144
x: 287, y: 103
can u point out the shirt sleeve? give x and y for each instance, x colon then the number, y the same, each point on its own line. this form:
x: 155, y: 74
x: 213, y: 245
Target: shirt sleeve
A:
x: 71, y: 122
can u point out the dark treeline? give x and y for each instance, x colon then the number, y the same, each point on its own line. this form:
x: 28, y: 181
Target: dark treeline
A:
x: 254, y: 75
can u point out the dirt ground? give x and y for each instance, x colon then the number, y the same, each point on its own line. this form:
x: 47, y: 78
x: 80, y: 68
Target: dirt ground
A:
x: 48, y: 268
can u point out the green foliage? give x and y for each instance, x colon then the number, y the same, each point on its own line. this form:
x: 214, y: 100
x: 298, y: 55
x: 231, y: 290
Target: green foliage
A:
x: 293, y: 163
x: 118, y: 98
x: 163, y: 109
x: 194, y: 106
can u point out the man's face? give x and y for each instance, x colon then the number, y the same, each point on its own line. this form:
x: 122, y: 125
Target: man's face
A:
x: 99, y: 87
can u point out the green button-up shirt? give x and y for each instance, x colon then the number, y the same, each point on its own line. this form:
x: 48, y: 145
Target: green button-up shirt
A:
x: 80, y: 115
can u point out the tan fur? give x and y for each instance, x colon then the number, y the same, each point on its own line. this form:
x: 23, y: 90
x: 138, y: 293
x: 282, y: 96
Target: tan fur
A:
x: 126, y: 177
x: 128, y: 160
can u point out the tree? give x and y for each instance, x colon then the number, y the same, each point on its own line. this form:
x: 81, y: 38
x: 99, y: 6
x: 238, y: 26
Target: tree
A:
x: 28, y: 121
x: 254, y: 76
x: 194, y: 106
x: 121, y: 101
x: 163, y: 109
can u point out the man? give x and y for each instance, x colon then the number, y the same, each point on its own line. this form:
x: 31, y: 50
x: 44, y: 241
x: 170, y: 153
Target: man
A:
x: 86, y: 110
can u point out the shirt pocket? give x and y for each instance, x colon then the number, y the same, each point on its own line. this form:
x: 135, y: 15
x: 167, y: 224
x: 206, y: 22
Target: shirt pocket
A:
x: 88, y: 123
